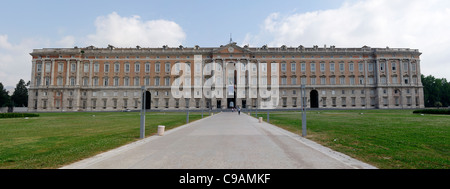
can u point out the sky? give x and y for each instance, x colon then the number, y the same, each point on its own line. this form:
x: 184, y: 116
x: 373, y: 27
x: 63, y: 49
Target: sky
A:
x: 29, y: 24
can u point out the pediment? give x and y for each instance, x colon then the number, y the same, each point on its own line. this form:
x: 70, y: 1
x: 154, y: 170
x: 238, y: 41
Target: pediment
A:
x: 231, y: 48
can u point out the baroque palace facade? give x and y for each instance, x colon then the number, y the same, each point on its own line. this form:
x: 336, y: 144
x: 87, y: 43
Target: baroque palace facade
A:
x: 111, y: 79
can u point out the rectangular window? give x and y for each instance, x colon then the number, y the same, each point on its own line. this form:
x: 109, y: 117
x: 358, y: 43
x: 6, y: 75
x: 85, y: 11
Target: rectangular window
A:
x: 157, y: 67
x: 106, y: 68
x: 137, y: 81
x: 341, y: 67
x: 127, y: 68
x: 322, y: 67
x: 332, y: 68
x: 167, y: 67
x: 96, y: 68
x: 86, y: 67
x: 116, y: 68
x: 60, y: 67
x: 147, y: 67
x: 350, y: 68
x: 303, y: 67
x: 39, y: 67
x: 361, y: 67
x: 283, y: 67
x: 313, y: 67
x: 48, y: 67
x: 293, y: 67
x: 137, y: 67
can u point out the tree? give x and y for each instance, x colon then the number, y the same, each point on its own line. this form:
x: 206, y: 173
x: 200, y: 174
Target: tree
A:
x: 20, y: 95
x: 4, y: 97
x: 436, y: 91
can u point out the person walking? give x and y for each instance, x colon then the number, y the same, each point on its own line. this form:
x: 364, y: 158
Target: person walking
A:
x: 239, y: 110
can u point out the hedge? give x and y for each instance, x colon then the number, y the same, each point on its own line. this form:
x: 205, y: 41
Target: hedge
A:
x: 432, y: 111
x: 15, y: 115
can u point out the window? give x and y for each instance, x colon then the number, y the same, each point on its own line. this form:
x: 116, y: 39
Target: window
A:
x: 136, y: 81
x: 350, y: 67
x: 72, y: 81
x: 59, y: 81
x: 157, y: 67
x: 167, y: 81
x: 96, y: 67
x: 283, y: 67
x: 332, y: 67
x: 105, y: 81
x: 322, y: 67
x: 313, y: 81
x: 352, y: 80
x: 147, y: 67
x: 167, y: 67
x: 60, y: 67
x: 95, y: 81
x: 341, y: 67
x: 394, y: 66
x: 39, y: 67
x: 332, y: 80
x: 48, y: 67
x: 283, y: 81
x: 106, y: 68
x: 303, y: 80
x: 323, y: 80
x: 394, y: 79
x: 85, y: 81
x: 361, y: 67
x: 156, y: 81
x: 73, y: 67
x: 303, y: 67
x: 116, y: 81
x: 293, y: 81
x: 293, y: 67
x: 86, y: 67
x: 382, y: 66
x: 116, y: 67
x: 313, y: 67
x: 370, y: 67
x: 126, y: 81
x: 342, y: 80
x: 127, y: 67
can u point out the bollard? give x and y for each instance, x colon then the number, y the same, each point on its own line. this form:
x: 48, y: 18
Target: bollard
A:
x: 260, y: 119
x: 161, y: 130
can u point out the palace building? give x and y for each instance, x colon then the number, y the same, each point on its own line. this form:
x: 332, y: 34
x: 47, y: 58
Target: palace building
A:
x: 112, y: 79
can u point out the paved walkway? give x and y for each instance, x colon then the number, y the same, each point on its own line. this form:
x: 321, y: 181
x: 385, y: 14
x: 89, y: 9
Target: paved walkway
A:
x: 226, y: 140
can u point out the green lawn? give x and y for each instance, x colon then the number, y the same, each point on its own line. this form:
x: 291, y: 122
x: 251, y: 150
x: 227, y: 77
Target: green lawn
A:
x: 56, y: 139
x: 390, y: 139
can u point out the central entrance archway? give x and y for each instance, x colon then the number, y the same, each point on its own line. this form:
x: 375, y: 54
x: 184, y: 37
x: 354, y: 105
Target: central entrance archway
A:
x: 314, y: 96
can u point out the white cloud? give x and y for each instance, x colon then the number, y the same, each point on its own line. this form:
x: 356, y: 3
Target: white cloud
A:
x: 132, y: 31
x: 416, y: 24
x: 15, y: 60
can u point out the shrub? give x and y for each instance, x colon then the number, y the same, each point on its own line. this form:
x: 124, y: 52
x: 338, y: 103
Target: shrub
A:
x: 432, y: 111
x: 15, y: 115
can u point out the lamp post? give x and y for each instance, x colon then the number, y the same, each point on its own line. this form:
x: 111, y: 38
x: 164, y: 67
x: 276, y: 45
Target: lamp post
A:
x: 302, y: 96
x: 142, y: 129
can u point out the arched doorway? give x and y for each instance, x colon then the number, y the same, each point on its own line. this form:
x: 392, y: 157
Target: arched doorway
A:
x: 148, y: 100
x: 314, y: 96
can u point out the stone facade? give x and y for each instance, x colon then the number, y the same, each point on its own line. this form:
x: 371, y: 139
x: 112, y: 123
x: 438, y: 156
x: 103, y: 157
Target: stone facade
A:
x: 110, y: 79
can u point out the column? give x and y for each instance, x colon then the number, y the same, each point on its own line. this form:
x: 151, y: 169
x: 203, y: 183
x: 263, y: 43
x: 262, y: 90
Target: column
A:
x: 91, y: 68
x: 33, y: 75
x: 42, y: 72
x: 53, y: 73
x: 78, y: 73
x: 68, y: 72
